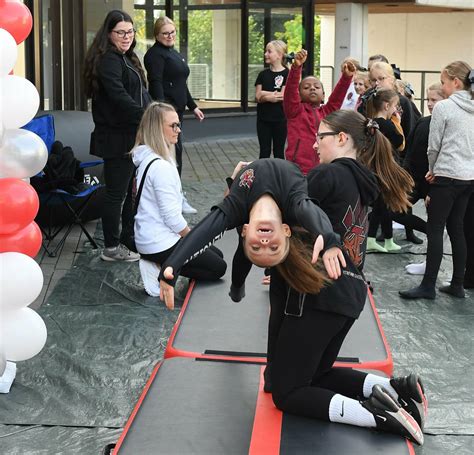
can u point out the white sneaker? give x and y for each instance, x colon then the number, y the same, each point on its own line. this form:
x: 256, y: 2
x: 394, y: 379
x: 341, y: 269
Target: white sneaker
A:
x: 187, y: 209
x: 150, y: 273
x: 416, y: 269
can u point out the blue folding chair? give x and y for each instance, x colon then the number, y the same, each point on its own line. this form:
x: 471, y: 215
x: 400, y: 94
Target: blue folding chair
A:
x: 73, y: 206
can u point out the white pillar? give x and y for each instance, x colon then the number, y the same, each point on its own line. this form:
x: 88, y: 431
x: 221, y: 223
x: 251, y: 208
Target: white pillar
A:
x: 351, y: 34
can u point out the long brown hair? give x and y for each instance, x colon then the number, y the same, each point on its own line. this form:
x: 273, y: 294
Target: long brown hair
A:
x: 100, y: 45
x: 376, y: 101
x: 297, y: 269
x: 375, y: 151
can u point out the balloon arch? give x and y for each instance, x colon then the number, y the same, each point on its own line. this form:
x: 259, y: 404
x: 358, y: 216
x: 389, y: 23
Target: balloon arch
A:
x: 22, y: 155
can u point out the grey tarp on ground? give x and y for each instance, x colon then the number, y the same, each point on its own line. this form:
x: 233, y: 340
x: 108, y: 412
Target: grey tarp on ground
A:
x: 105, y: 335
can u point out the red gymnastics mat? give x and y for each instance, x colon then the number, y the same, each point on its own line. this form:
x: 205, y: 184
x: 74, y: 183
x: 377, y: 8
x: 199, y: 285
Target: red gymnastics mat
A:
x: 212, y: 326
x: 193, y: 406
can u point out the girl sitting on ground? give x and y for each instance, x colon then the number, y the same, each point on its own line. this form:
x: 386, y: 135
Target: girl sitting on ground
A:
x: 159, y: 223
x: 302, y: 103
x: 306, y: 330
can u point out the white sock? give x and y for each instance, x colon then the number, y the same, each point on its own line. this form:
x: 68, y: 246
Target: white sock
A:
x: 416, y: 269
x: 372, y: 379
x: 346, y: 410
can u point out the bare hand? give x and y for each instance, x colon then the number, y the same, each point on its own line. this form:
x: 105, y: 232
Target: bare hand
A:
x: 239, y: 167
x: 429, y: 177
x: 166, y: 290
x: 318, y: 247
x: 198, y: 114
x: 333, y: 259
x: 300, y: 57
x: 266, y: 280
x: 427, y: 201
x: 277, y: 97
x: 348, y: 67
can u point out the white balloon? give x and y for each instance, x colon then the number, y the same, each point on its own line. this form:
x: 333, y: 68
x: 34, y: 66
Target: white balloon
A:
x: 24, y: 334
x: 19, y: 101
x: 22, y: 154
x: 21, y: 280
x: 8, y: 52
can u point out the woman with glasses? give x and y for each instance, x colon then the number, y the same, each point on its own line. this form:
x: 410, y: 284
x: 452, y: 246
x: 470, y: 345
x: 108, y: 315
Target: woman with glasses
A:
x: 114, y: 79
x: 167, y: 73
x: 159, y: 223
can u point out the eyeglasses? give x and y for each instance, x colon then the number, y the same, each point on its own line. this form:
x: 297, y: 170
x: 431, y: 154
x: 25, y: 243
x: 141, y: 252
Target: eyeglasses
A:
x: 379, y: 79
x: 176, y: 127
x: 123, y: 33
x: 319, y: 136
x: 169, y: 34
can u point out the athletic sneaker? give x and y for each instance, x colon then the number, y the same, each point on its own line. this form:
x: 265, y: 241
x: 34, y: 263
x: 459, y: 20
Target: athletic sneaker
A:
x: 119, y: 253
x: 150, y: 273
x: 391, y: 417
x: 187, y: 208
x: 411, y: 396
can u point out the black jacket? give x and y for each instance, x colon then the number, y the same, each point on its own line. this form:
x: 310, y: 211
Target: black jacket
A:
x: 118, y: 106
x: 167, y: 73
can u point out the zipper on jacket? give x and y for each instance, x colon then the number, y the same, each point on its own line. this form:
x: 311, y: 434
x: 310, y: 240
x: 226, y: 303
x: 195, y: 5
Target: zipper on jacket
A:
x: 139, y: 78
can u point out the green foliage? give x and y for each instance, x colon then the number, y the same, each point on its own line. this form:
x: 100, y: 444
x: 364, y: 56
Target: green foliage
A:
x: 200, y: 37
x: 256, y: 37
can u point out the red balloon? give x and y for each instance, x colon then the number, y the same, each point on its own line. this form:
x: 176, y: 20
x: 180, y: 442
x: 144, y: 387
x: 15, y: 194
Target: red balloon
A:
x: 15, y: 18
x: 27, y: 241
x: 19, y: 205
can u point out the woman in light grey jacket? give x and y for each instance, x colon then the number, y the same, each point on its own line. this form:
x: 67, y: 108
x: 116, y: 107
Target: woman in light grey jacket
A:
x: 451, y: 178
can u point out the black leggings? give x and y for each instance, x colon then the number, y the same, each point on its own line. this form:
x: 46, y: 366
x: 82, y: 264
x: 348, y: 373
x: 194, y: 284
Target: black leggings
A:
x: 301, y: 354
x: 447, y: 207
x: 268, y: 132
x: 469, y: 234
x: 380, y: 216
x: 208, y: 266
x: 118, y: 173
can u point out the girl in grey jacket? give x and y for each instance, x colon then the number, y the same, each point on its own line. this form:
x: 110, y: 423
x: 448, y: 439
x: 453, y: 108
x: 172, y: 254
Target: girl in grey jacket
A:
x: 451, y: 178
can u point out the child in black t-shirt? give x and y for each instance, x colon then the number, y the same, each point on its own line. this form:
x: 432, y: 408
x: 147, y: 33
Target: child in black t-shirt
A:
x: 269, y: 89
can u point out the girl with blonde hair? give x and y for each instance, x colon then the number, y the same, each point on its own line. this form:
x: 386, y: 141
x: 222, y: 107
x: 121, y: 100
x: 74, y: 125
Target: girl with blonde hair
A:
x: 159, y: 223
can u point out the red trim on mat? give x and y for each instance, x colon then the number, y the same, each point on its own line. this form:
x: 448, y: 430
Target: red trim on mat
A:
x: 266, y: 433
x: 411, y: 449
x: 135, y: 409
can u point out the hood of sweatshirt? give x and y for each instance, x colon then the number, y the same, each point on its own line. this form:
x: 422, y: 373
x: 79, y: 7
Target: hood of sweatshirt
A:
x: 142, y: 153
x: 463, y: 99
x: 366, y: 180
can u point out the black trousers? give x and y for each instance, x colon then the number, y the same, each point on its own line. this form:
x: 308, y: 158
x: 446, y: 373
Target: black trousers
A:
x: 209, y: 265
x: 269, y: 132
x: 118, y: 175
x: 469, y: 234
x: 380, y: 216
x: 447, y: 207
x: 409, y: 220
x: 301, y: 354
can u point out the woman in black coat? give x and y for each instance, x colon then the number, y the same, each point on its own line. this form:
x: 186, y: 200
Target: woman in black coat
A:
x: 114, y: 79
x: 167, y: 73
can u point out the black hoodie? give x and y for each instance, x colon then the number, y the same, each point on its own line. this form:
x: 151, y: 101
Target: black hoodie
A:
x: 344, y: 189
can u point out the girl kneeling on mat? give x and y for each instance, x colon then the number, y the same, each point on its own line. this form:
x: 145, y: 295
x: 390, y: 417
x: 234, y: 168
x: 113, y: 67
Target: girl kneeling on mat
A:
x: 159, y: 223
x: 306, y: 330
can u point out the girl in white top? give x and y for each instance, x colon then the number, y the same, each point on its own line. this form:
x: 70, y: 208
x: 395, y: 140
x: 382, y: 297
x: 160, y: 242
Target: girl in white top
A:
x: 159, y: 223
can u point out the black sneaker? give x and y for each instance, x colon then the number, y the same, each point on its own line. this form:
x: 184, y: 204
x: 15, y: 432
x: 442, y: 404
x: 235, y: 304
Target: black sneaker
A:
x: 411, y: 397
x: 391, y: 417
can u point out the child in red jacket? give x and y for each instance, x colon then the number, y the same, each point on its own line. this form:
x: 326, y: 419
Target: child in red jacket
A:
x: 303, y: 110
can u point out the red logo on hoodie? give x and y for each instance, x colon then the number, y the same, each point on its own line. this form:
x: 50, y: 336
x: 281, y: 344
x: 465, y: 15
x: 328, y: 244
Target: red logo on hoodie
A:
x: 247, y: 178
x: 355, y: 222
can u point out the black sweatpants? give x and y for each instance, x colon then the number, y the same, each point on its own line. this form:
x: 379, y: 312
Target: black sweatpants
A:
x: 208, y: 266
x: 269, y: 132
x: 118, y: 173
x: 447, y: 207
x: 301, y: 354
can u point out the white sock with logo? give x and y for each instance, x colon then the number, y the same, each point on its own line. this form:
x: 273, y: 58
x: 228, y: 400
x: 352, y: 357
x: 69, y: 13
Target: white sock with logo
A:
x: 346, y: 410
x: 373, y: 379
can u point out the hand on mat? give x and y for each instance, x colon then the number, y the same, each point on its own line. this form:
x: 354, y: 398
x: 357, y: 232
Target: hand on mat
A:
x: 166, y: 290
x: 266, y: 280
x: 333, y: 259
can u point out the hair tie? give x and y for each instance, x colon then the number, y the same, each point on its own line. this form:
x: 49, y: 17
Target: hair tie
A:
x: 371, y: 126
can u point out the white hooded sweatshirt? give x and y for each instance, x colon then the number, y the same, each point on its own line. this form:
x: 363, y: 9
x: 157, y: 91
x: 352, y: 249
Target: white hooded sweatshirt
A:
x: 451, y: 139
x: 159, y: 219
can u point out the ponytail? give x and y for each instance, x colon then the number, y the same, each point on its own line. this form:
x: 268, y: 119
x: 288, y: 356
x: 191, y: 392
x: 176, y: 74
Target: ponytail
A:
x: 297, y: 269
x: 375, y: 151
